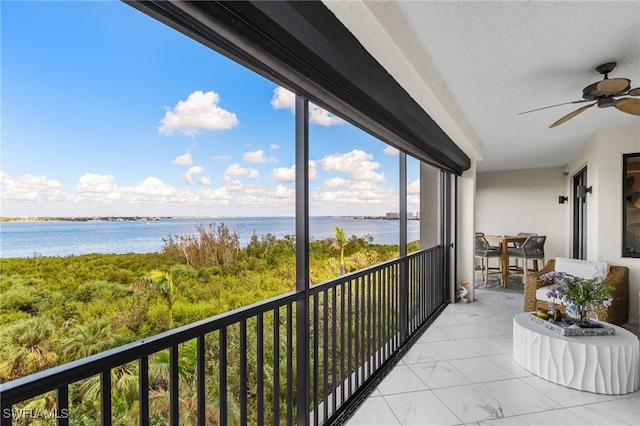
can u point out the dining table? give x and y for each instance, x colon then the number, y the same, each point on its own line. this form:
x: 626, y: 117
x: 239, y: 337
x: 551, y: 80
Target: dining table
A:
x: 503, y: 241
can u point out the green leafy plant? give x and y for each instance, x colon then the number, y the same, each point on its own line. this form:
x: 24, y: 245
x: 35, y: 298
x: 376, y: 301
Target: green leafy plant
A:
x: 581, y: 294
x: 339, y: 243
x: 163, y: 284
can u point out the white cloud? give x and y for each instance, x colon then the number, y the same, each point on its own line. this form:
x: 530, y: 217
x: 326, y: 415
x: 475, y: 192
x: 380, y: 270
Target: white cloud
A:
x: 283, y: 193
x: 234, y: 171
x: 339, y: 194
x: 199, y: 112
x: 31, y: 188
x: 336, y: 182
x: 288, y: 174
x: 284, y: 174
x: 154, y: 186
x: 389, y: 150
x: 97, y: 194
x: 257, y: 157
x: 284, y: 99
x: 323, y: 117
x: 183, y: 160
x: 93, y: 182
x: 189, y: 174
x: 100, y: 189
x: 414, y: 187
x: 356, y: 164
x: 274, y: 146
x: 313, y: 169
x: 220, y: 157
x: 235, y: 186
x: 252, y: 197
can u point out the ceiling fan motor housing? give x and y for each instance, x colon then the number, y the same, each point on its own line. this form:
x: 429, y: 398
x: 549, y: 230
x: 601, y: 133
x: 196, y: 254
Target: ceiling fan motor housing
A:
x: 606, y: 87
x: 606, y: 102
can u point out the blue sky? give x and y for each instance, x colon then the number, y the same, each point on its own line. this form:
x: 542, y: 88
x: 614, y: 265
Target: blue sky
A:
x: 106, y: 111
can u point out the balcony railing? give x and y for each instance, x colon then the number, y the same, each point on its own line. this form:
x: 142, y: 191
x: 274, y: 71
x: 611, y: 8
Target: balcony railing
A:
x: 245, y: 366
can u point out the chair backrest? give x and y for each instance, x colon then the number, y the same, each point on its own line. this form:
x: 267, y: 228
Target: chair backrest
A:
x: 582, y: 268
x: 482, y: 246
x: 524, y: 234
x: 533, y: 246
x: 527, y: 234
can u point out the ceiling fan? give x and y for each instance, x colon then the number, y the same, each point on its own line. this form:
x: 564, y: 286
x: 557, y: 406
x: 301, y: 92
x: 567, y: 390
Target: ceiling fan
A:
x: 603, y: 93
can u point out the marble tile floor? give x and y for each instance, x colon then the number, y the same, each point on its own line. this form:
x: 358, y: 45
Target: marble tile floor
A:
x: 493, y: 282
x: 461, y: 372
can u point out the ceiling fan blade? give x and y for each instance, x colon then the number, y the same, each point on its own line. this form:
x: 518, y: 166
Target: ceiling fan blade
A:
x: 571, y: 115
x: 553, y: 106
x: 613, y: 86
x: 633, y: 92
x: 629, y: 105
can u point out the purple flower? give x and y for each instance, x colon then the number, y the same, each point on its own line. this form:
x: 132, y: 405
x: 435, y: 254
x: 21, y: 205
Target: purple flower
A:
x: 557, y: 291
x: 558, y: 277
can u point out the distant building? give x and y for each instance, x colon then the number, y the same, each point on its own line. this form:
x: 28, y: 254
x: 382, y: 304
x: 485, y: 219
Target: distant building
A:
x: 396, y: 216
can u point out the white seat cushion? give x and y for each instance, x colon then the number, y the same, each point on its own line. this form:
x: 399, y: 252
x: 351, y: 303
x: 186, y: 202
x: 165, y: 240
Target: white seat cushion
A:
x: 582, y: 268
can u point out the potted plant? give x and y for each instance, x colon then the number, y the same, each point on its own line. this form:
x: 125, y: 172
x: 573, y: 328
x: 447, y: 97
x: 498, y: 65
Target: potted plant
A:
x: 578, y: 295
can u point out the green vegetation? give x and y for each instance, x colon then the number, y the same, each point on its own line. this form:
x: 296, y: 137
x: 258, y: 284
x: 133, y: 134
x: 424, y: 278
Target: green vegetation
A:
x: 340, y: 242
x: 55, y: 310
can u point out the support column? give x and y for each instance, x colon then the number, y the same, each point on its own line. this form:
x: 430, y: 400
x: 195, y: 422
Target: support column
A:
x: 404, y: 276
x: 302, y: 259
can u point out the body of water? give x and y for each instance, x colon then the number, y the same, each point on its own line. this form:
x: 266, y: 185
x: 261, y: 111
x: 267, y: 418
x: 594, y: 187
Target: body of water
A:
x: 65, y: 238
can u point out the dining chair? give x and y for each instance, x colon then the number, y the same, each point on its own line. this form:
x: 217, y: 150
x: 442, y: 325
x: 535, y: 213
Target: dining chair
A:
x: 482, y: 233
x: 518, y: 244
x: 531, y: 249
x: 484, y: 252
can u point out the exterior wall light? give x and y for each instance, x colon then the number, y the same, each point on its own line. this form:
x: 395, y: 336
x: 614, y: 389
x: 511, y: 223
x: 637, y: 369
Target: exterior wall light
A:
x: 581, y: 191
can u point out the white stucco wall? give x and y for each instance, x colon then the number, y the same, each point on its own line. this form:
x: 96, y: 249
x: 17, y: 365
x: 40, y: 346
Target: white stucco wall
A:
x: 465, y: 206
x: 603, y: 158
x: 524, y: 201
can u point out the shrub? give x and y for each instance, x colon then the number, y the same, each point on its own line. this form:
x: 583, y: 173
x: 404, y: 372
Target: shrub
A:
x: 99, y: 290
x: 212, y: 245
x: 29, y: 299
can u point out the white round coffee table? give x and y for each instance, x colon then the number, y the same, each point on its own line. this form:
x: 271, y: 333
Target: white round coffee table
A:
x: 599, y: 364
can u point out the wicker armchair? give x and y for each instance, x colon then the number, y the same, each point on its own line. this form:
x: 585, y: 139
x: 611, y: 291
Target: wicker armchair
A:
x: 618, y: 278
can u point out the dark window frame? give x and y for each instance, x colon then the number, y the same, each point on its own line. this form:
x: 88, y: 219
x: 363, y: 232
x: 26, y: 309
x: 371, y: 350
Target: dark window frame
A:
x: 630, y: 205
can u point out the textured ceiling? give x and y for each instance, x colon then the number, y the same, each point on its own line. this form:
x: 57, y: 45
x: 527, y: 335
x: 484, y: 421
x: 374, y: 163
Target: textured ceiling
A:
x: 500, y: 58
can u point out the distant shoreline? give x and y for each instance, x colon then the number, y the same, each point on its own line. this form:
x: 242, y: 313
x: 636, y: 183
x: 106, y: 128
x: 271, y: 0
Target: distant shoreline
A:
x: 82, y: 219
x: 147, y: 218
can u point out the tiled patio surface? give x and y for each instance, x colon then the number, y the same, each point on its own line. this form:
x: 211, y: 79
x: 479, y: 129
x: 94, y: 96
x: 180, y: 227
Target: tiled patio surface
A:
x: 461, y: 372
